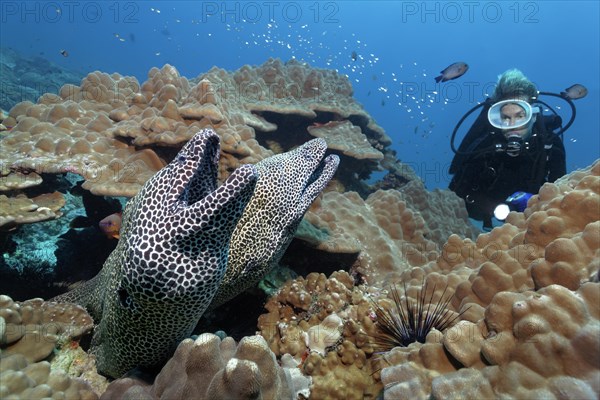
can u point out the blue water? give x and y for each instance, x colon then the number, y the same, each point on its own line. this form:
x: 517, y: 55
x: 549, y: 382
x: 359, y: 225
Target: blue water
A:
x: 401, y: 47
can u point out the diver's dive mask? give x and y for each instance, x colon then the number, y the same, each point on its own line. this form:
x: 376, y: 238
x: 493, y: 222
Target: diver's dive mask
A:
x: 511, y: 114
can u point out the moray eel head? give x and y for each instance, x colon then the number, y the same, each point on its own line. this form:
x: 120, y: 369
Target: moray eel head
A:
x: 287, y: 185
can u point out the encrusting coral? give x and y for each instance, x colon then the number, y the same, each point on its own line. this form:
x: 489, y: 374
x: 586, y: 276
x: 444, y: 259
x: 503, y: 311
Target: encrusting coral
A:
x: 22, y: 380
x: 530, y: 345
x: 20, y: 209
x: 407, y: 322
x: 325, y: 323
x: 389, y: 231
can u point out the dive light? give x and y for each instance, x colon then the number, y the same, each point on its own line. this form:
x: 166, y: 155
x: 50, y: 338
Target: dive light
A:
x: 515, y: 202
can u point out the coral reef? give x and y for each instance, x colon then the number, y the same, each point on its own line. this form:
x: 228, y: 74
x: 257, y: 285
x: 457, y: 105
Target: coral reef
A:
x: 27, y: 78
x: 23, y: 210
x: 117, y: 133
x: 23, y: 380
x: 530, y: 345
x: 529, y: 327
x: 389, y: 231
x: 523, y: 300
x: 526, y: 296
x: 533, y: 306
x: 34, y: 328
x: 45, y: 258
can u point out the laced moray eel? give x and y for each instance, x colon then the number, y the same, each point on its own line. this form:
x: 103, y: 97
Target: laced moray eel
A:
x: 176, y: 237
x: 169, y: 261
x: 288, y: 183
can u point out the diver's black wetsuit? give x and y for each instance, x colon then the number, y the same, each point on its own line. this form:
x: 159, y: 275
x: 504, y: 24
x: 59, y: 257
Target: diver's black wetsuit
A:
x: 485, y: 179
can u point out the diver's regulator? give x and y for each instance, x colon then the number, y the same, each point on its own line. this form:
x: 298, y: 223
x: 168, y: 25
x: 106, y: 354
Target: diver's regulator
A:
x: 512, y: 145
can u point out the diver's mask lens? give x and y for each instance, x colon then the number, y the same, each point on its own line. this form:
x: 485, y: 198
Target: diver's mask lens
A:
x: 511, y: 114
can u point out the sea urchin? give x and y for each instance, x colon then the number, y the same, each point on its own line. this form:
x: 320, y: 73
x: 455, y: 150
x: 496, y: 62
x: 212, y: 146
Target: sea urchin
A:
x: 408, y: 322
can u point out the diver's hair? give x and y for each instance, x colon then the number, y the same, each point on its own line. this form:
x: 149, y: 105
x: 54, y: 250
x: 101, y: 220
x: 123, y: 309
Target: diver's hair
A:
x: 513, y: 84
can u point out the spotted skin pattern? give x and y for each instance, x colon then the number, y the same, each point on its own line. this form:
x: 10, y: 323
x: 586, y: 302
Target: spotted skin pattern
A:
x: 178, y: 234
x: 287, y: 185
x: 169, y: 261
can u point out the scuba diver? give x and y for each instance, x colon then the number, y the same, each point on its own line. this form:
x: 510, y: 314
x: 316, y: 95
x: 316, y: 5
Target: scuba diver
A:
x: 511, y: 150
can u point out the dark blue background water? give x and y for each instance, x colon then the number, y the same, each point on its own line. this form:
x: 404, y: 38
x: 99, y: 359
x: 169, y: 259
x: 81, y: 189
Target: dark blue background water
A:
x: 401, y: 47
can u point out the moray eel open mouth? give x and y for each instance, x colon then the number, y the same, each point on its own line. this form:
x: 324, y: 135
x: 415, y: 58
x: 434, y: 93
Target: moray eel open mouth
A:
x: 322, y: 168
x: 185, y: 210
x: 194, y: 170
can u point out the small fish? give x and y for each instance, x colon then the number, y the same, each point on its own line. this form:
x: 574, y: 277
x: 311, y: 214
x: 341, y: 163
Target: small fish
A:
x: 64, y: 53
x: 354, y: 56
x: 416, y: 129
x: 574, y: 92
x: 382, y: 102
x: 111, y: 225
x: 453, y: 71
